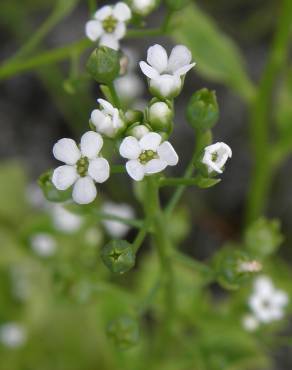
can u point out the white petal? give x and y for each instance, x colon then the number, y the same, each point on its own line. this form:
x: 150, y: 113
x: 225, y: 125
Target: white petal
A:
x: 103, y: 13
x: 106, y: 106
x: 154, y: 166
x: 167, y: 153
x: 157, y: 58
x: 183, y: 70
x: 135, y: 169
x: 97, y: 117
x: 207, y: 160
x: 110, y: 41
x: 122, y: 12
x: 130, y: 148
x: 280, y: 298
x: 120, y: 30
x: 166, y: 85
x: 148, y: 71
x: 179, y: 57
x: 90, y: 144
x: 99, y: 169
x: 64, y: 176
x: 93, y: 30
x: 66, y: 150
x: 150, y: 141
x: 84, y: 190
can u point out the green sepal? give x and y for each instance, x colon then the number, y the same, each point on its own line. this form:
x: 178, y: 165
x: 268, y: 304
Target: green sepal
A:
x: 49, y: 190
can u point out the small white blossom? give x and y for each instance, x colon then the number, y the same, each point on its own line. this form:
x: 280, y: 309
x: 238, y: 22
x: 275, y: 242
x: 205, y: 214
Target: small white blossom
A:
x: 165, y: 74
x: 35, y: 196
x: 250, y: 322
x: 266, y: 302
x: 43, y: 244
x: 215, y: 156
x: 107, y: 120
x: 12, y: 335
x: 143, y: 7
x: 129, y: 87
x: 116, y: 228
x: 147, y: 156
x: 82, y: 166
x: 65, y: 220
x: 109, y: 25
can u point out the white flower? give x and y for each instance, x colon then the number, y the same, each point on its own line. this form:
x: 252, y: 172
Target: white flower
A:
x: 147, y: 156
x: 43, y: 244
x: 116, y: 228
x: 143, y: 7
x: 107, y: 120
x: 109, y: 25
x: 129, y: 87
x: 65, y: 220
x: 165, y: 73
x: 250, y: 322
x: 267, y: 302
x: 35, y: 196
x: 82, y: 166
x: 12, y: 335
x: 215, y: 156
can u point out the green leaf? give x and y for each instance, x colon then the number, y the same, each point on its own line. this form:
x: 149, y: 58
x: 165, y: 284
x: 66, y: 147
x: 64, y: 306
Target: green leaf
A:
x: 216, y: 55
x: 206, y: 182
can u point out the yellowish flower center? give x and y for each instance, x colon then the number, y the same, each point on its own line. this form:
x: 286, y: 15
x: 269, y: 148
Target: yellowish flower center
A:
x: 82, y: 166
x: 109, y: 24
x: 147, y: 155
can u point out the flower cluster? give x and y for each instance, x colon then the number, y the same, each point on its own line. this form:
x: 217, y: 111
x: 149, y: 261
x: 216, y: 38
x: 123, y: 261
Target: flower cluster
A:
x: 266, y: 303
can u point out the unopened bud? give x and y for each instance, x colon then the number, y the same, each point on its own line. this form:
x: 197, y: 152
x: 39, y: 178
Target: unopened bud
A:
x: 124, y: 331
x: 160, y: 116
x: 138, y: 131
x: 118, y: 256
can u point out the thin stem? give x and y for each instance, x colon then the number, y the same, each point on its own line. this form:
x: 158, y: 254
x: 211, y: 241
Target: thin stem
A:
x: 115, y: 98
x: 144, y: 306
x: 263, y: 170
x: 140, y: 238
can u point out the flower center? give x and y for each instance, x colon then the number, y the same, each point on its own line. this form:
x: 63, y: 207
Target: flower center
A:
x: 147, y: 155
x: 82, y: 166
x: 214, y: 157
x: 109, y: 24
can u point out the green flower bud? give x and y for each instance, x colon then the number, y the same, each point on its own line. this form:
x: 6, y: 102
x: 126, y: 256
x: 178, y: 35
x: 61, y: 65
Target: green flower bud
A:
x: 104, y: 64
x: 160, y: 116
x: 124, y: 331
x: 176, y: 4
x: 49, y: 190
x: 133, y: 116
x: 138, y: 131
x: 118, y: 256
x: 263, y: 237
x: 234, y: 267
x: 202, y: 110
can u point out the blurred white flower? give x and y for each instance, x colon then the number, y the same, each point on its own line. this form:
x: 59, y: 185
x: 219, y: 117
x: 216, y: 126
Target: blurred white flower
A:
x: 147, y: 156
x: 116, y: 228
x: 20, y: 281
x: 109, y: 24
x: 82, y: 166
x: 107, y: 120
x: 143, y: 7
x: 93, y: 236
x: 215, y: 156
x: 165, y: 73
x: 266, y: 302
x: 43, y: 244
x: 12, y: 335
x: 35, y: 196
x: 129, y: 86
x: 250, y: 322
x: 65, y: 220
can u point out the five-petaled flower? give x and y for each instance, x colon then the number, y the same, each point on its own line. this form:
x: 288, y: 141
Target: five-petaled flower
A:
x: 82, y: 166
x: 107, y: 120
x: 148, y: 155
x: 266, y: 302
x: 215, y: 156
x: 166, y: 74
x: 109, y: 25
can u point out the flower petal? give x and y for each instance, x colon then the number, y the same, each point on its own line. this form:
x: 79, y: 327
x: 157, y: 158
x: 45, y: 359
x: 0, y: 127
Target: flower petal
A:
x: 148, y: 71
x: 122, y: 12
x: 179, y: 57
x: 110, y: 41
x: 183, y: 70
x: 108, y: 108
x: 150, y: 141
x: 84, y: 190
x: 167, y: 153
x: 99, y: 169
x: 103, y: 12
x: 154, y: 166
x: 90, y: 144
x: 135, y: 169
x: 120, y: 30
x: 130, y: 148
x: 93, y: 30
x: 157, y: 58
x: 97, y: 117
x: 166, y: 85
x: 64, y: 176
x: 66, y: 150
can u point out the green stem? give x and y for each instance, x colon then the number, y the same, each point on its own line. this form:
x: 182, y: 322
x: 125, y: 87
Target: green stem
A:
x: 114, y: 96
x: 263, y: 169
x: 164, y: 249
x: 140, y: 238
